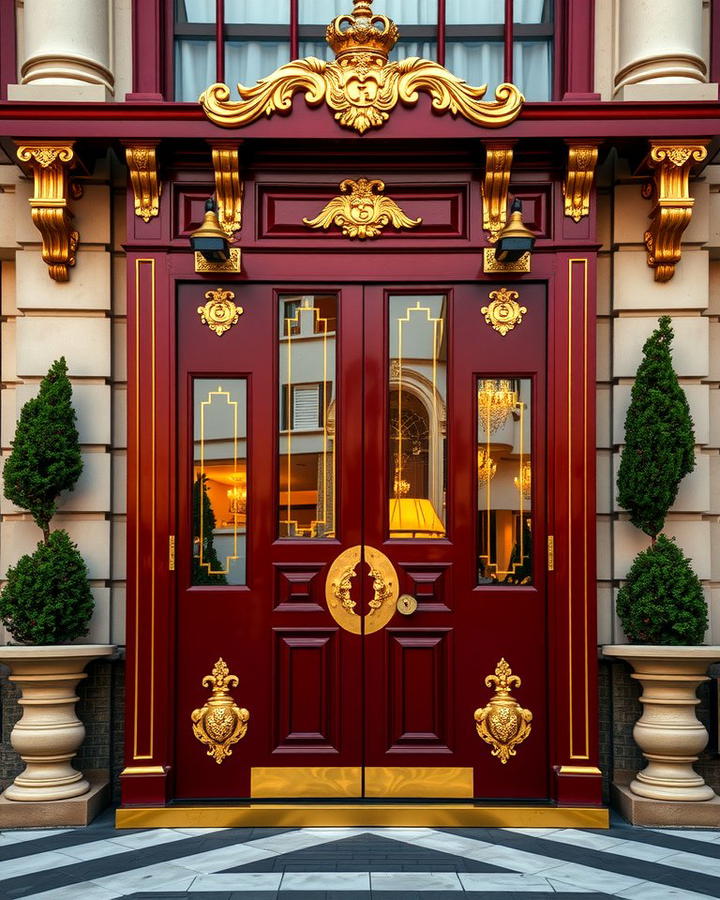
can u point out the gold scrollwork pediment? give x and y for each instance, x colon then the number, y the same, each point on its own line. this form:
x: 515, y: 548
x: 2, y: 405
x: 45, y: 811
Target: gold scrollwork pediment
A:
x: 361, y: 86
x: 503, y: 723
x: 220, y: 723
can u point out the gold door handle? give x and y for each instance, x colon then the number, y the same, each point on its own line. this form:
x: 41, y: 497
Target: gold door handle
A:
x: 406, y: 604
x: 339, y: 590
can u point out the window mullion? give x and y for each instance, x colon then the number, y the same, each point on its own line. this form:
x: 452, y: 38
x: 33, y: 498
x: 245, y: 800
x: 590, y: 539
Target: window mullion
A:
x: 220, y: 40
x: 509, y: 22
x: 441, y: 32
x: 294, y: 33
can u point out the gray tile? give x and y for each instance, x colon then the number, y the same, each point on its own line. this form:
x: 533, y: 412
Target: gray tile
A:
x: 522, y: 883
x: 237, y: 882
x: 325, y: 881
x: 415, y: 881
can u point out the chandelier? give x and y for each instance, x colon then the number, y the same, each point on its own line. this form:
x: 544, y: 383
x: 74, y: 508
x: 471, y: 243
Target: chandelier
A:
x: 496, y: 400
x: 523, y: 481
x: 486, y: 466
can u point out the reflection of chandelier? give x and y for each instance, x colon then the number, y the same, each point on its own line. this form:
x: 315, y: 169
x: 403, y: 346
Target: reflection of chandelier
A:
x: 486, y: 466
x: 237, y: 496
x: 401, y: 486
x: 523, y: 481
x: 496, y: 400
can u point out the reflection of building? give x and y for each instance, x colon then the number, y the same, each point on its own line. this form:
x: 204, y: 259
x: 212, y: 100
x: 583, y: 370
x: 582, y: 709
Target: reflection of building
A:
x: 369, y: 350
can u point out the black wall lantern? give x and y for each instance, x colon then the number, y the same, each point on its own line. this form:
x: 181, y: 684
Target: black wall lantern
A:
x: 209, y: 239
x: 515, y: 240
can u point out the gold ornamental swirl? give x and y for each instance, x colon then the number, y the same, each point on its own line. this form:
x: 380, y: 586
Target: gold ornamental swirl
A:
x: 220, y: 312
x: 504, y: 313
x: 361, y: 86
x: 362, y: 213
x: 220, y: 723
x: 339, y: 590
x: 503, y: 723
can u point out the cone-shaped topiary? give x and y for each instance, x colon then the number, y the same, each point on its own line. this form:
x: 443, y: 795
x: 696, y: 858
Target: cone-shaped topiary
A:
x: 47, y: 599
x: 45, y: 458
x: 659, y: 440
x: 210, y: 570
x: 662, y: 600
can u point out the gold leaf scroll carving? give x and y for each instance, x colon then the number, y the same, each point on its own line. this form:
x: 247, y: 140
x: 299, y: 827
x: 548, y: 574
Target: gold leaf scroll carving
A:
x: 503, y: 723
x: 50, y: 164
x: 220, y: 312
x: 671, y: 164
x: 220, y: 723
x: 142, y: 164
x: 582, y: 159
x: 504, y: 312
x: 362, y: 212
x: 361, y: 86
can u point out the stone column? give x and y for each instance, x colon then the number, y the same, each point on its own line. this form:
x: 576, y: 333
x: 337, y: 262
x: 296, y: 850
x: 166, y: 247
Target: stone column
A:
x: 65, y: 51
x: 660, y: 51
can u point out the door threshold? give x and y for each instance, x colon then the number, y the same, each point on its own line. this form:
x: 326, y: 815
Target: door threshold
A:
x: 387, y: 815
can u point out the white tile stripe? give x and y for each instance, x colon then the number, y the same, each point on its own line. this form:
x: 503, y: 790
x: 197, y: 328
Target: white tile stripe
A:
x: 183, y: 874
x: 630, y: 849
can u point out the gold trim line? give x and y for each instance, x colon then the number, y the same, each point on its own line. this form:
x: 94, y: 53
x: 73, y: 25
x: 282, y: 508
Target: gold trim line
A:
x: 458, y: 815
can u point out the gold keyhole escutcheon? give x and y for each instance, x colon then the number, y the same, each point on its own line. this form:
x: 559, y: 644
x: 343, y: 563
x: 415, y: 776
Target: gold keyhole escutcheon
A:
x: 406, y: 604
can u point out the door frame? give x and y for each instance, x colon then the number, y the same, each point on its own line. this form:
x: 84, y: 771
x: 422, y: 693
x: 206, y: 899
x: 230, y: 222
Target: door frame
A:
x: 147, y: 778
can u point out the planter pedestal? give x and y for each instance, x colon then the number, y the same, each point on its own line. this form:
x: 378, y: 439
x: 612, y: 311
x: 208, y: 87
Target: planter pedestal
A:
x: 668, y: 732
x: 49, y: 733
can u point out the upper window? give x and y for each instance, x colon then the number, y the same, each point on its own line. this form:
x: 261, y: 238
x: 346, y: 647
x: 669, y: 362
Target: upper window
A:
x: 482, y: 41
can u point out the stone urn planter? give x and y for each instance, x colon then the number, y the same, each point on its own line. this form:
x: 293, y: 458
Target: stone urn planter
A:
x: 49, y: 733
x: 668, y: 732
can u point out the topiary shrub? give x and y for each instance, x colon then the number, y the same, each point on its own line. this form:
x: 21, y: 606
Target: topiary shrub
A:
x: 659, y: 439
x: 662, y: 600
x: 45, y: 458
x: 47, y: 598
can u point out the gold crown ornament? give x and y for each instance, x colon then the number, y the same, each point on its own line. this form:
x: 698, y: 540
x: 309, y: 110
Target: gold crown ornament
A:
x: 361, y: 86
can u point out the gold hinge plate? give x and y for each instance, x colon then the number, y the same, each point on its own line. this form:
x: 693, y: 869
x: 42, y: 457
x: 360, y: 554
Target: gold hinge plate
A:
x: 171, y: 553
x: 551, y: 553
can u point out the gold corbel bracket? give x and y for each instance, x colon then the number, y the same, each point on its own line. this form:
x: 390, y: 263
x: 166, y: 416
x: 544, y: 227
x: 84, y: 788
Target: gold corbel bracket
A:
x: 582, y: 159
x: 495, y: 186
x: 493, y: 265
x: 671, y: 165
x: 51, y: 164
x: 142, y: 162
x: 229, y: 187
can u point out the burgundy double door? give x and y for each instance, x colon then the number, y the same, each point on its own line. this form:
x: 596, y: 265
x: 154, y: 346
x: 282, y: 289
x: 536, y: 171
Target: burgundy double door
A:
x: 361, y: 538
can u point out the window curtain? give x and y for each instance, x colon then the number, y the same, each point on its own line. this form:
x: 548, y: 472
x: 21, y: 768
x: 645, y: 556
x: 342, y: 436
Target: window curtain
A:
x: 404, y: 12
x: 257, y: 12
x: 194, y: 68
x: 477, y: 63
x: 248, y: 61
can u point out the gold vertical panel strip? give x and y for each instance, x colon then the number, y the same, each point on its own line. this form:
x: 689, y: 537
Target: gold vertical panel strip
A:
x: 151, y: 263
x: 574, y: 751
x: 317, y: 782
x: 442, y: 782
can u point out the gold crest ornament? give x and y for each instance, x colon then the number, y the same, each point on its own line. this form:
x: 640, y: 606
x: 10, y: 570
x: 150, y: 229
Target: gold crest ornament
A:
x: 220, y: 312
x: 362, y: 213
x: 220, y: 723
x: 503, y: 723
x: 504, y: 313
x: 361, y: 85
